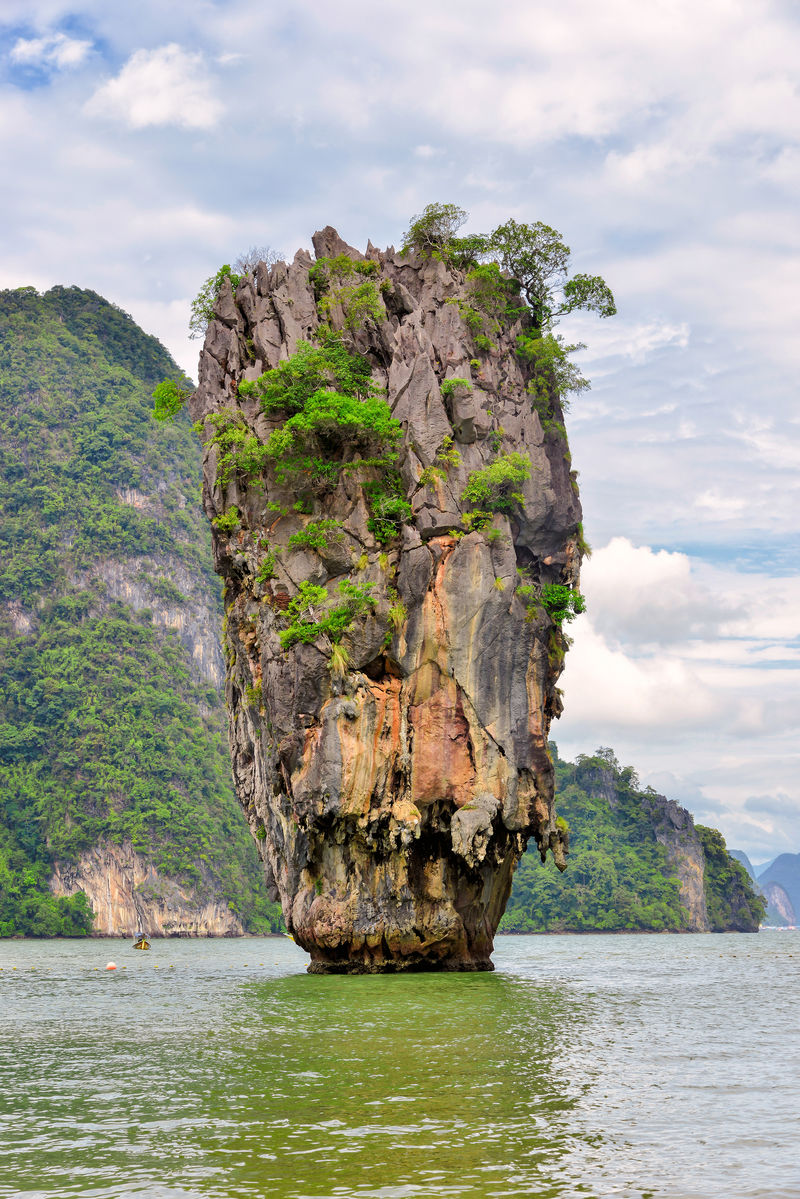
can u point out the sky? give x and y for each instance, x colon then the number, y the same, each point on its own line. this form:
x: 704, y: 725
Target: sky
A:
x: 145, y: 144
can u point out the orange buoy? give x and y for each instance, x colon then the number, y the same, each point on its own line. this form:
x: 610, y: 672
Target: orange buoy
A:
x: 111, y: 966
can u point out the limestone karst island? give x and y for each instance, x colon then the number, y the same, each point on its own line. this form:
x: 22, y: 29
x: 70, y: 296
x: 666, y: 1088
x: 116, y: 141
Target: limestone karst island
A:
x: 393, y: 511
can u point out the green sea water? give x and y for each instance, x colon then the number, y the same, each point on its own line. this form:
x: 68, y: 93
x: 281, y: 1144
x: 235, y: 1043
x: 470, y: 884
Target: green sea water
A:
x: 584, y: 1066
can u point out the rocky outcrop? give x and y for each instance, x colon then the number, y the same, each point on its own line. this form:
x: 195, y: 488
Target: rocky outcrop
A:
x: 785, y: 871
x: 128, y: 895
x: 392, y: 775
x: 674, y: 829
x: 780, y: 910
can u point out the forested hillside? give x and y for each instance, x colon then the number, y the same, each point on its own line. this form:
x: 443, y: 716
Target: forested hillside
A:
x: 112, y: 728
x: 637, y: 862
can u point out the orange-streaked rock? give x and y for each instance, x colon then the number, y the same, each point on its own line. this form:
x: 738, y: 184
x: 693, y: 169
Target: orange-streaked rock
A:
x: 390, y: 803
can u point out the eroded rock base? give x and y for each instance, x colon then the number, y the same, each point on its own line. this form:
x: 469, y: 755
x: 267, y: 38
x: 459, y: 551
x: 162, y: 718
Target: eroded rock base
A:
x: 393, y: 966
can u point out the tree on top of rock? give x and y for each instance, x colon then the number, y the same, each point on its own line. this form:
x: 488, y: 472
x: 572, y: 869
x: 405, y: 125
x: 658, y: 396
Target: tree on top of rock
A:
x: 537, y: 257
x: 534, y: 255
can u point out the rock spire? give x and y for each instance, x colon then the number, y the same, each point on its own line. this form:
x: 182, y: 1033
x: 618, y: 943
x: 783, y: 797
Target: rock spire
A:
x: 391, y: 505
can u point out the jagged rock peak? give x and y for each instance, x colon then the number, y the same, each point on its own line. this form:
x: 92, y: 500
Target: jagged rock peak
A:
x: 388, y: 501
x: 327, y: 244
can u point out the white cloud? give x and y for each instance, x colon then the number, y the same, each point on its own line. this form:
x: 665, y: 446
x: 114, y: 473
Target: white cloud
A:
x: 690, y: 672
x: 636, y: 341
x: 167, y: 86
x: 56, y: 50
x: 638, y: 596
x: 649, y: 164
x: 609, y: 688
x: 720, y: 507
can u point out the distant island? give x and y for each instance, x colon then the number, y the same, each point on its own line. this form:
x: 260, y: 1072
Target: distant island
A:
x: 637, y: 863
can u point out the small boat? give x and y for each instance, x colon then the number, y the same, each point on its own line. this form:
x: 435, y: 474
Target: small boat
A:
x: 141, y: 942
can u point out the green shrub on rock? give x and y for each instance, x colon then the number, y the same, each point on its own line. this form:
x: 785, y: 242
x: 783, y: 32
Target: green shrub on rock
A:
x: 306, y: 626
x: 495, y: 488
x: 168, y: 399
x: 561, y: 603
x: 316, y: 535
x: 330, y: 365
x: 205, y: 301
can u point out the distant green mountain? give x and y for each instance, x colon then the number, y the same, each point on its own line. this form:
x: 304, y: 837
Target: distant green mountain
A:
x: 113, y: 753
x: 637, y: 863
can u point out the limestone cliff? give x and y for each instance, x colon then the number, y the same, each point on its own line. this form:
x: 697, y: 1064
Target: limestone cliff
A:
x: 780, y: 910
x: 128, y: 895
x: 392, y: 667
x: 674, y: 829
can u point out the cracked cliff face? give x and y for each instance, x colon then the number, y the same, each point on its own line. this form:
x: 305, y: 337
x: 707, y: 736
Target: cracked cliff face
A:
x: 394, y: 765
x: 128, y: 896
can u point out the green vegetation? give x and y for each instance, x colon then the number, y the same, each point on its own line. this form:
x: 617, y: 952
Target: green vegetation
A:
x: 538, y: 259
x: 618, y: 877
x: 329, y: 423
x: 432, y: 232
x: 75, y: 437
x: 552, y: 373
x: 397, y: 611
x: 205, y: 301
x: 336, y: 420
x: 336, y: 281
x: 267, y: 569
x: 517, y: 271
x: 240, y: 452
x: 342, y: 267
x: 561, y: 603
x: 361, y: 302
x: 478, y: 520
x: 728, y: 887
x: 305, y: 627
x: 495, y: 297
x: 451, y: 387
x: 28, y: 908
x: 317, y: 535
x: 447, y: 455
x: 105, y: 730
x: 495, y: 488
x: 103, y: 737
x: 388, y: 506
x: 329, y: 366
x: 169, y: 396
x: 227, y: 522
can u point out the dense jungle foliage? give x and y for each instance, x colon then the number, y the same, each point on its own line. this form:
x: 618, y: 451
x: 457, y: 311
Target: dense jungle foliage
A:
x: 106, y: 730
x: 618, y: 878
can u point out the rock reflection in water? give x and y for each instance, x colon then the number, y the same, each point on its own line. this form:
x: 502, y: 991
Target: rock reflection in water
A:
x: 410, y: 1085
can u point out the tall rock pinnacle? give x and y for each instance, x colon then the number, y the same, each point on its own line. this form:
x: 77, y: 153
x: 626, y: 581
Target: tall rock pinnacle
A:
x: 389, y: 502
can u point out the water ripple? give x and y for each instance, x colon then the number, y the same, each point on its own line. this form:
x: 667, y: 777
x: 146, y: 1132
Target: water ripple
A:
x: 585, y: 1066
